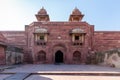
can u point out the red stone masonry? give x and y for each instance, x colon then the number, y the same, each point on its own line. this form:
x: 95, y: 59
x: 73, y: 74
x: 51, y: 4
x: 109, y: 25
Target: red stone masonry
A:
x: 64, y: 44
x: 15, y: 37
x: 106, y: 40
x: 2, y: 49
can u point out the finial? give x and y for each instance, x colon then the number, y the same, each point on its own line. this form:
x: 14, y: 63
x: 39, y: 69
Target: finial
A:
x: 42, y: 7
x: 75, y: 7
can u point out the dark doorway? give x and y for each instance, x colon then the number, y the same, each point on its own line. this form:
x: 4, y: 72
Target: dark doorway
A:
x: 58, y: 57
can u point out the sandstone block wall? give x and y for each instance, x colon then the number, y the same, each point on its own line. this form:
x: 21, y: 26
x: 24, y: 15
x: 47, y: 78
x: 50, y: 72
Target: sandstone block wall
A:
x: 2, y: 55
x: 106, y: 40
x: 15, y: 37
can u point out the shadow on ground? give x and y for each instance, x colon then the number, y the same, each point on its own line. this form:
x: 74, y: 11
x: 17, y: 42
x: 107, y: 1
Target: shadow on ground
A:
x: 37, y: 77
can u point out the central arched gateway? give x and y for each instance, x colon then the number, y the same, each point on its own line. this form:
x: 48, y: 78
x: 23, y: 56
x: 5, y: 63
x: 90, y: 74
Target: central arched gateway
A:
x: 58, y: 57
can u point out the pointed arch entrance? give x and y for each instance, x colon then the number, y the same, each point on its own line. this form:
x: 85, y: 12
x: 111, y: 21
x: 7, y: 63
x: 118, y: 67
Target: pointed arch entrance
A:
x: 59, y: 57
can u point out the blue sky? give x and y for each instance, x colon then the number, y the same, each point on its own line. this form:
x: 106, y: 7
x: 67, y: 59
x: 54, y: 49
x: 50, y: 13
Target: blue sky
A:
x: 104, y: 14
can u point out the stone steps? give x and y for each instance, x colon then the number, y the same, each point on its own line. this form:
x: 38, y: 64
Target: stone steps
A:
x: 66, y: 73
x: 81, y: 74
x: 23, y: 76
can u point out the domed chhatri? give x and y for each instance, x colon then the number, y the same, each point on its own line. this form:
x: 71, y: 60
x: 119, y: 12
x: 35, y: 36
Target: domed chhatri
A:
x: 76, y: 15
x: 76, y: 11
x: 42, y: 11
x: 42, y: 15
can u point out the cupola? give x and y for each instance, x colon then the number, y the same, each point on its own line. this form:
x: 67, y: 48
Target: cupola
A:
x: 42, y: 15
x: 76, y: 15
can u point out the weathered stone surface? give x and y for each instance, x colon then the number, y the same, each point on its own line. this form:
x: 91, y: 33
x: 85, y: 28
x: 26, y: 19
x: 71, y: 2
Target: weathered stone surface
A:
x: 109, y: 58
x: 18, y: 76
x: 14, y: 55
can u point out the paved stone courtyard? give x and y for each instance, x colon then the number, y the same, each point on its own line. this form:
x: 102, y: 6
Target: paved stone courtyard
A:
x: 59, y: 72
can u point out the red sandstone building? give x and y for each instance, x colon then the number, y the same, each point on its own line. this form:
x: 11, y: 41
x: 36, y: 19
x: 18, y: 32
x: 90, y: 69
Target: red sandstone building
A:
x: 68, y: 42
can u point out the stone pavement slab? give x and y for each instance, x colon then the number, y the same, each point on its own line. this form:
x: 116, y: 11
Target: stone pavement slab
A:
x: 18, y: 76
x: 71, y: 77
x: 3, y: 76
x: 62, y: 72
x: 3, y: 67
x: 51, y: 68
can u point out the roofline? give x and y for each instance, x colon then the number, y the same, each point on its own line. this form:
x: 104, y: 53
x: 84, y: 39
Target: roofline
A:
x: 12, y: 31
x: 60, y: 22
x: 107, y: 31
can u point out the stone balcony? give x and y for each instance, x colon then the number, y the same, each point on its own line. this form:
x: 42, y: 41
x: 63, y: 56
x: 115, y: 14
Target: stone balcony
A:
x: 40, y: 42
x: 77, y: 42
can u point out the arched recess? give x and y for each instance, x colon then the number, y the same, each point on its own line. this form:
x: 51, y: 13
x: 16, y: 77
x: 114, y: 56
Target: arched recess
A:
x: 77, y: 56
x: 59, y: 46
x: 41, y: 56
x: 58, y: 57
x: 59, y: 50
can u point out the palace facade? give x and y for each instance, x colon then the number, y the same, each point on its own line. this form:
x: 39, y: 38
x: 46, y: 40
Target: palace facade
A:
x: 45, y: 41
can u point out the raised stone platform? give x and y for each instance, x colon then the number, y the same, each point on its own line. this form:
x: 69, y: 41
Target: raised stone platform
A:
x: 51, y: 68
x: 26, y: 71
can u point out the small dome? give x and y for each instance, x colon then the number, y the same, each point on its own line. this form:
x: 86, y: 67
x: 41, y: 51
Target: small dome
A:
x: 42, y: 11
x: 76, y: 12
x: 41, y: 30
x: 77, y: 30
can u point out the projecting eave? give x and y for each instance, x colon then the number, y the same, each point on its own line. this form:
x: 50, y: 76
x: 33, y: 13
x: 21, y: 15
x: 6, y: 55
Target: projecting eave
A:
x: 3, y: 44
x: 107, y: 31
